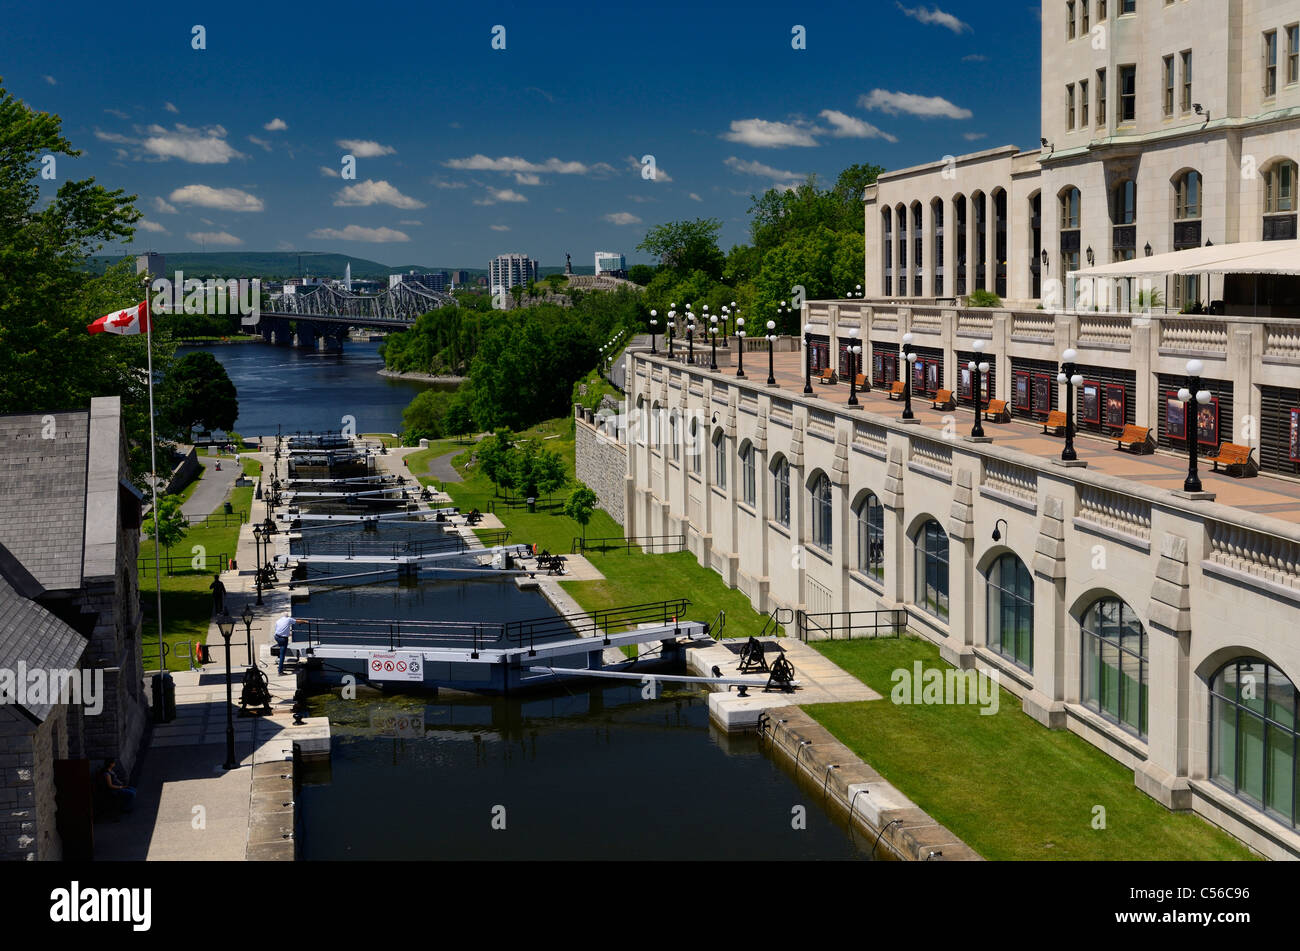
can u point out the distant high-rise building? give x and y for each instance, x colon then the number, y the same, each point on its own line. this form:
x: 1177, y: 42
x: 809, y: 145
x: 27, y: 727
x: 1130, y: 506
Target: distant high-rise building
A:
x: 436, y: 281
x: 151, y: 263
x: 610, y: 263
x: 459, y: 278
x: 511, y: 270
x: 347, y: 277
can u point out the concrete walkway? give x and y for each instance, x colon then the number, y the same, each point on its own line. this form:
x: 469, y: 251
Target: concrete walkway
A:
x: 213, y: 488
x: 442, y: 469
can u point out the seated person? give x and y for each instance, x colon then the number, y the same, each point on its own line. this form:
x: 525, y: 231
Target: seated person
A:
x: 120, y: 794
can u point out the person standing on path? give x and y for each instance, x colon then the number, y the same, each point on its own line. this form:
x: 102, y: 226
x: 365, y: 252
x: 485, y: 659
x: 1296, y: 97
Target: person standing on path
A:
x: 218, y: 595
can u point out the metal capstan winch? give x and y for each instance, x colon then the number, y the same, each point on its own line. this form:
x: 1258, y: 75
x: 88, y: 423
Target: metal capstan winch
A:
x: 256, y: 693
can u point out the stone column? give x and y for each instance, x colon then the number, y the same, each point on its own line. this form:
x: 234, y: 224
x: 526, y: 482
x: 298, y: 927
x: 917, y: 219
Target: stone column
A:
x: 950, y: 239
x: 972, y: 244
x: 927, y: 251
x: 1045, y: 703
x: 990, y: 243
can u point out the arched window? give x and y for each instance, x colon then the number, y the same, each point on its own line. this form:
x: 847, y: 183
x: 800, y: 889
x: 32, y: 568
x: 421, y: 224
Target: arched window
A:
x: 1070, y: 211
x: 1187, y: 233
x: 1280, y: 201
x: 1115, y: 664
x: 871, y: 537
x: 1188, y: 189
x: 1123, y: 218
x: 781, y: 491
x: 720, y: 459
x: 749, y: 490
x: 1253, y: 736
x: 673, y: 435
x: 694, y: 448
x: 888, y: 246
x: 822, y: 520
x: 931, y: 543
x: 1010, y: 629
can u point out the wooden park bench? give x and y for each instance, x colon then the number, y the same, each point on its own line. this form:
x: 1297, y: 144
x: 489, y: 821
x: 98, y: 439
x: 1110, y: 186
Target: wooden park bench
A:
x: 1234, y: 457
x: 827, y: 376
x: 1055, y: 420
x: 896, y: 391
x: 1134, y: 438
x: 861, y: 382
x: 997, y: 411
x: 943, y: 400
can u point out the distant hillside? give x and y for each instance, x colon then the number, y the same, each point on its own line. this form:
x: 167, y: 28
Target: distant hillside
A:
x: 278, y: 265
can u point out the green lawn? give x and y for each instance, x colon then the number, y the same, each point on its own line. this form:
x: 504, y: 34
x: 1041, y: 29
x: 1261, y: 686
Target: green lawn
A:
x: 630, y: 577
x: 1010, y: 788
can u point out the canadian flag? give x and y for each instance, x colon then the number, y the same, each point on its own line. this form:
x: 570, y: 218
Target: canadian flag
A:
x: 133, y: 320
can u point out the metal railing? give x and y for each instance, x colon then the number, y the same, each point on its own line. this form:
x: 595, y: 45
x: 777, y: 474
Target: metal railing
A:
x: 848, y: 624
x: 776, y: 619
x: 361, y: 547
x: 182, y: 564
x: 218, y: 519
x: 399, y: 634
x: 168, y: 650
x: 650, y: 544
x: 603, y: 623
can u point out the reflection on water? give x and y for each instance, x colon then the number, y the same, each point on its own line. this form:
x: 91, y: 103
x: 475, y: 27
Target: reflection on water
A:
x: 595, y: 773
x: 308, y: 391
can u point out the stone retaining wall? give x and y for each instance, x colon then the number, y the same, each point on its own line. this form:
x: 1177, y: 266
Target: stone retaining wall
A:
x: 601, y: 462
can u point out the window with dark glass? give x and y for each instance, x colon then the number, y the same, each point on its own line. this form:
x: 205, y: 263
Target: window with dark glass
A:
x: 931, y: 547
x: 1010, y: 622
x: 1114, y: 652
x: 1253, y: 733
x: 781, y: 491
x: 1169, y: 85
x: 747, y: 480
x: 720, y: 460
x: 871, y: 537
x: 822, y: 519
x: 1127, y: 93
x: 1187, y: 81
x: 1270, y: 63
x: 1101, y: 97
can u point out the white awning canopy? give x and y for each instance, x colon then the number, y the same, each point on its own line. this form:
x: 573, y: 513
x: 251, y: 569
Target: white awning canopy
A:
x: 1247, y: 257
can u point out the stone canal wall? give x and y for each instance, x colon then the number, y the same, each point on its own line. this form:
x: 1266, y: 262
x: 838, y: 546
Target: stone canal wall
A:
x: 601, y: 462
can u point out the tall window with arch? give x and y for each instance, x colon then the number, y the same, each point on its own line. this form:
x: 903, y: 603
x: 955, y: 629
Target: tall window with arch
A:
x: 694, y: 447
x: 1114, y: 652
x: 1187, y: 234
x: 781, y: 491
x: 720, y: 459
x: 1253, y: 732
x: 1123, y: 219
x: 822, y: 513
x: 1280, y: 201
x: 674, y: 435
x: 1010, y: 621
x: 1070, y: 201
x: 931, y: 549
x: 748, y: 484
x: 871, y: 537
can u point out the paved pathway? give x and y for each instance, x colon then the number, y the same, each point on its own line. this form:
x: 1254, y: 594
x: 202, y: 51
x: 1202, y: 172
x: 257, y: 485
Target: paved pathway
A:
x: 213, y: 488
x: 442, y: 469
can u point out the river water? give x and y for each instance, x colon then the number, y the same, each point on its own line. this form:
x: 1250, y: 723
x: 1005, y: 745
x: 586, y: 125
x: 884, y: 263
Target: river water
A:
x: 308, y: 391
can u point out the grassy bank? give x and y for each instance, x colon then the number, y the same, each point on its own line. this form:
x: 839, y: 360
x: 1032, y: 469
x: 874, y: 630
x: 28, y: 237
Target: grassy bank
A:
x: 1010, y: 788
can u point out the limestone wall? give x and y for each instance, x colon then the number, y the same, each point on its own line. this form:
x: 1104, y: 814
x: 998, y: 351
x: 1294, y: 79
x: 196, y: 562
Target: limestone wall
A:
x: 601, y: 463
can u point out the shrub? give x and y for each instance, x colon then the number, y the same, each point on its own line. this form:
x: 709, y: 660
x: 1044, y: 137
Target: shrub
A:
x: 983, y: 298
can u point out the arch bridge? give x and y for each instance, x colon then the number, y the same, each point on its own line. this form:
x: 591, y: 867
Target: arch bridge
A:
x: 321, y: 317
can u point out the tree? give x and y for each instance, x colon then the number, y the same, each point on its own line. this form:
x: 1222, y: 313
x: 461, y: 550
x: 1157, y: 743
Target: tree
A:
x: 172, y: 524
x: 426, y: 417
x: 641, y: 274
x: 494, y: 457
x: 580, y: 505
x: 686, y: 246
x: 549, y: 472
x: 459, y: 419
x: 198, y: 391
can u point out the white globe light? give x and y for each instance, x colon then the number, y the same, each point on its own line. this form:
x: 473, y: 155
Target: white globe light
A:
x: 1076, y: 380
x: 1060, y: 378
x: 654, y: 313
x: 984, y: 368
x: 733, y: 303
x: 771, y: 325
x: 772, y: 337
x: 740, y: 333
x: 782, y: 303
x: 740, y: 321
x: 653, y: 322
x: 853, y: 332
x: 1185, y: 394
x: 807, y: 328
x: 706, y: 306
x: 1195, y: 367
x: 1203, y: 396
x: 911, y: 358
x: 978, y: 346
x: 908, y: 338
x: 1070, y: 355
x: 971, y: 365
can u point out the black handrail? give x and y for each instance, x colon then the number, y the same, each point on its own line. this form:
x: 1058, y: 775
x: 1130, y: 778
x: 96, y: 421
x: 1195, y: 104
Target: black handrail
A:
x: 828, y: 623
x: 182, y: 563
x: 651, y: 544
x: 604, y: 622
x: 775, y: 619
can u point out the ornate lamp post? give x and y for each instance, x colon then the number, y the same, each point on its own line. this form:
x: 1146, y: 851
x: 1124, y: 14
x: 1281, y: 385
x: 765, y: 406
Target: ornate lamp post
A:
x: 672, y: 326
x: 257, y: 561
x: 854, y: 350
x: 1071, y: 379
x: 978, y: 369
x: 247, y: 618
x: 771, y: 351
x: 226, y: 625
x: 910, y: 358
x: 740, y: 350
x: 713, y: 343
x: 1192, y: 391
x: 653, y: 324
x: 690, y: 338
x: 807, y: 359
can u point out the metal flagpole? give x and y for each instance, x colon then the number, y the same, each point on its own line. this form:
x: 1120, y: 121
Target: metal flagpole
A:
x: 158, y: 702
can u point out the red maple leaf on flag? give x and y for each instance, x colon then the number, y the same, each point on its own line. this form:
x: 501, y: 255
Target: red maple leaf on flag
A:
x: 123, y: 319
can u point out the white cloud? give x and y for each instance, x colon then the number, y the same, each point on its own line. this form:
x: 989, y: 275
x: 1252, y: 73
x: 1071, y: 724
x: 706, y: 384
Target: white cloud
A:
x: 499, y: 227
x: 197, y: 146
x: 117, y: 137
x: 370, y: 192
x: 622, y: 218
x: 224, y: 199
x: 262, y: 142
x: 975, y: 58
x: 358, y: 233
x: 50, y: 79
x: 515, y: 163
x: 496, y: 195
x: 926, y: 107
x: 850, y: 127
x: 763, y: 133
x: 527, y: 178
x: 935, y: 16
x: 160, y: 205
x: 974, y: 136
x: 365, y: 148
x: 117, y: 112
x: 329, y: 172
x: 223, y: 238
x: 276, y: 125
x: 145, y: 224
x: 694, y: 197
x: 170, y: 107
x: 742, y: 167
x: 442, y: 184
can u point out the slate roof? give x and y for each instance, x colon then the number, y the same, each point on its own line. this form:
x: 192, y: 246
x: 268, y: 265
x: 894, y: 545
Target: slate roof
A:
x: 33, y: 635
x: 43, y: 493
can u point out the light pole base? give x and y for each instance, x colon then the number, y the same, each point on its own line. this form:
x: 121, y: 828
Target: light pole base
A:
x: 1070, y: 463
x: 979, y: 439
x: 909, y: 422
x: 1194, y: 496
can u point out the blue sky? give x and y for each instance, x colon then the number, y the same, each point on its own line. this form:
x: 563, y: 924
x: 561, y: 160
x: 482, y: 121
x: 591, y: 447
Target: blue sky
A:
x: 464, y: 151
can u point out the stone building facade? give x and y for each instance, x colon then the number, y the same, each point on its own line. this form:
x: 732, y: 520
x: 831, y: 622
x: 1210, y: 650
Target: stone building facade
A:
x: 601, y: 462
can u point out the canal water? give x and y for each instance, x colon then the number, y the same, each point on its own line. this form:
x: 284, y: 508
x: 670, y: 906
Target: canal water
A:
x: 308, y: 391
x: 590, y: 773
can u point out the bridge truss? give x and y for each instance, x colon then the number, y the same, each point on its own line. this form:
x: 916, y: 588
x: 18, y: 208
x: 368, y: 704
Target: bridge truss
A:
x: 400, y: 304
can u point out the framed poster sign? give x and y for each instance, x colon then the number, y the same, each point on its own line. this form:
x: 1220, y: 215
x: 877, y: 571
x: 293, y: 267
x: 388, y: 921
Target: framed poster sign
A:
x: 1090, y: 399
x: 918, y: 376
x: 965, y: 389
x: 1022, y: 390
x: 1175, y: 416
x: 1294, y: 435
x: 1115, y: 408
x: 931, y: 376
x: 878, y: 369
x: 1042, y: 394
x: 1207, y: 422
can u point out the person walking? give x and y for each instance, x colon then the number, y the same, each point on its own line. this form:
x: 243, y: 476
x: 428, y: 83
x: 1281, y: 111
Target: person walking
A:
x: 283, y: 631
